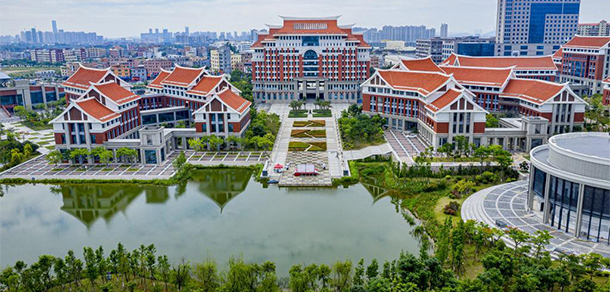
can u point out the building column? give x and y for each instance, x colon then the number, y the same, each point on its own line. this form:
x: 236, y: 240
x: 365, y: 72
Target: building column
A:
x: 226, y: 124
x: 530, y: 190
x: 515, y: 143
x: 505, y: 143
x: 90, y: 159
x: 581, y: 199
x: 547, y: 205
x: 68, y: 134
x: 184, y: 146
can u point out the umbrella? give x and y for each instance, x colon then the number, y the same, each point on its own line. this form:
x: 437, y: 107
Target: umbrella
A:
x: 279, y: 166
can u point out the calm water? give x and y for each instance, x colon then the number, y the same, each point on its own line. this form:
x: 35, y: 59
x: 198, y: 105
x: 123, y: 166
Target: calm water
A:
x: 218, y: 213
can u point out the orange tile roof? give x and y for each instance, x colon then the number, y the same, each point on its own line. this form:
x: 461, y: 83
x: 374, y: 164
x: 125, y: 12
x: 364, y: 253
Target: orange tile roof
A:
x: 533, y: 90
x: 520, y: 63
x: 422, y: 82
x: 182, y: 76
x: 479, y: 76
x: 588, y: 42
x: 205, y: 85
x: 558, y: 54
x: 97, y: 110
x: 83, y: 77
x: 450, y: 60
x: 117, y: 93
x: 157, y: 82
x: 421, y: 65
x: 331, y: 27
x: 234, y: 101
x: 444, y: 100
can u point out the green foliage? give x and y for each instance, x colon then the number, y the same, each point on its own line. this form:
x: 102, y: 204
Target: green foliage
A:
x: 359, y: 130
x: 243, y: 82
x: 492, y: 121
x: 180, y: 160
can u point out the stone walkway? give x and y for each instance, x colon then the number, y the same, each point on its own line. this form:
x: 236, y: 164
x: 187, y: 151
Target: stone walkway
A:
x: 507, y: 202
x: 43, y: 138
x: 231, y: 158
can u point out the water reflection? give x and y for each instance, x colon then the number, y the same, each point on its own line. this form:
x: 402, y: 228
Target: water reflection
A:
x: 88, y: 203
x: 220, y: 212
x: 222, y: 185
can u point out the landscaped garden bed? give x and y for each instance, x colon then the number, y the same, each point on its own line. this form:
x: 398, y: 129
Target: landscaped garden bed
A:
x: 308, y: 133
x: 306, y: 146
x: 309, y: 123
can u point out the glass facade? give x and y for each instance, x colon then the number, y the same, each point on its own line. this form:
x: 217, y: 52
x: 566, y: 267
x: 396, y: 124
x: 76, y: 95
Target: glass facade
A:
x: 563, y: 197
x: 596, y: 215
x: 563, y: 209
x: 476, y: 49
x: 538, y: 17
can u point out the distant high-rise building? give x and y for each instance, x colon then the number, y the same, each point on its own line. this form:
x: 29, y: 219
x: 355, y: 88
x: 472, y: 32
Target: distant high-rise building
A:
x: 220, y: 59
x: 34, y: 36
x: 535, y: 27
x: 54, y: 24
x: 186, y: 30
x: 594, y: 29
x: 432, y: 48
x: 444, y: 30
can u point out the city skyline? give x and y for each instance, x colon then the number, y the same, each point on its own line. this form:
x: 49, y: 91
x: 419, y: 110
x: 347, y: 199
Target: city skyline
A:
x: 120, y: 21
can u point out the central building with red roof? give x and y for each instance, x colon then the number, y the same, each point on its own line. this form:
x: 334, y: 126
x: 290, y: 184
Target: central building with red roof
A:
x: 309, y: 58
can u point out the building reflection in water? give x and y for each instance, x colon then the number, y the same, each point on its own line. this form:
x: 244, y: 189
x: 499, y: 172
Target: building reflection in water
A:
x: 87, y: 203
x: 222, y: 185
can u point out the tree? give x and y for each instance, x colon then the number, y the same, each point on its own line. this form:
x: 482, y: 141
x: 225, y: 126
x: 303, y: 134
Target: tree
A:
x: 127, y: 154
x: 181, y: 274
x: 359, y: 274
x: 296, y: 105
x: 79, y: 153
x: 239, y: 275
x: 180, y: 160
x: 372, y: 270
x: 592, y: 262
x: 105, y: 156
x: 54, y: 157
x: 90, y: 266
x: 342, y: 275
x: 491, y: 121
x: 216, y: 142
x: 27, y: 151
x: 164, y: 269
x: 595, y: 113
x: 519, y: 237
x: 207, y: 276
x: 324, y: 275
x: 541, y: 239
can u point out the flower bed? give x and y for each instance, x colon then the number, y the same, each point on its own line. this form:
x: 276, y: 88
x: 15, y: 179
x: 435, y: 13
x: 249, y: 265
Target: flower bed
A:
x: 309, y: 123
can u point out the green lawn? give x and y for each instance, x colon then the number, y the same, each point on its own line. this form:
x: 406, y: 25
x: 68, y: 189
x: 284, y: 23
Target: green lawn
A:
x: 309, y: 146
x: 308, y: 133
x: 319, y: 113
x: 297, y: 114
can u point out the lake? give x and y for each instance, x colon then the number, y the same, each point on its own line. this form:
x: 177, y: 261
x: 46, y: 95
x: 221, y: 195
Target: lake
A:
x: 217, y: 213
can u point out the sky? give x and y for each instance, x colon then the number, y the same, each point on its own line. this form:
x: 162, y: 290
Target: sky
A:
x: 129, y: 18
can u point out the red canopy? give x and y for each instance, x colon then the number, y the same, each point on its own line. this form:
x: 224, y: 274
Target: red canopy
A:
x: 279, y: 166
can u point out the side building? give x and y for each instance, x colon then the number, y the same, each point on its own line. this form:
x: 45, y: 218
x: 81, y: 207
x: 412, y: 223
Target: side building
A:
x: 109, y: 115
x: 442, y: 102
x: 309, y: 58
x: 585, y: 62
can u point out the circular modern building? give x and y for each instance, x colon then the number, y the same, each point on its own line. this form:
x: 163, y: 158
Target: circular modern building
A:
x: 570, y: 184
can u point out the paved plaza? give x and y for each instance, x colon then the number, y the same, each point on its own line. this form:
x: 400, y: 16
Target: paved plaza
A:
x: 38, y: 168
x: 316, y: 158
x: 507, y: 202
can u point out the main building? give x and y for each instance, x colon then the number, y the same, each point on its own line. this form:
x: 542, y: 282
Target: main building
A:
x: 309, y: 58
